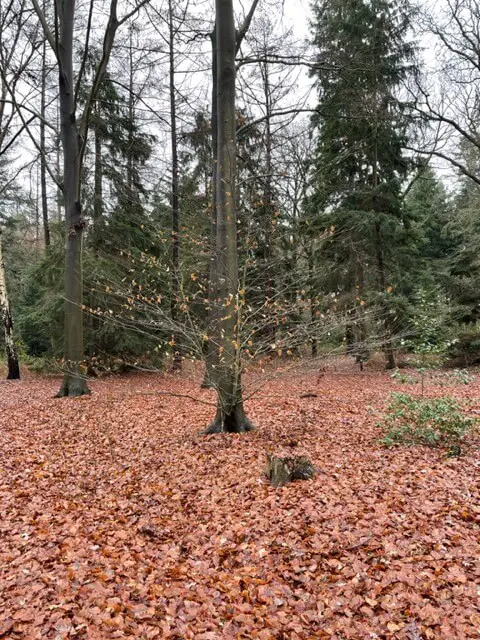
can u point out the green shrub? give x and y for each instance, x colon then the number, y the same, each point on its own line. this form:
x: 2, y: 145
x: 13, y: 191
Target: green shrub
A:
x: 428, y: 421
x: 403, y: 378
x: 464, y: 350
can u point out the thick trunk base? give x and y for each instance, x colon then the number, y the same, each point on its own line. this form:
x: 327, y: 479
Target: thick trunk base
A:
x: 13, y: 367
x: 234, y: 422
x: 73, y: 387
x: 390, y: 358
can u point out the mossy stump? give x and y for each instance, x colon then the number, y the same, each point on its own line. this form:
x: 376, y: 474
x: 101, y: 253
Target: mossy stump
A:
x: 280, y: 471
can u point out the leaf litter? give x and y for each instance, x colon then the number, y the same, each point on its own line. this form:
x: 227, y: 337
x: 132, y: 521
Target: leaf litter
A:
x: 118, y: 520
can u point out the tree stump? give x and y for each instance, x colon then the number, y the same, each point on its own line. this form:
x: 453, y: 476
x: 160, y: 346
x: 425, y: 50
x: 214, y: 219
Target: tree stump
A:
x: 282, y: 470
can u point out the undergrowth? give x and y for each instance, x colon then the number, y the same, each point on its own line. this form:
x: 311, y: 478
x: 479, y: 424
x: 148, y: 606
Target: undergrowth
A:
x: 435, y: 422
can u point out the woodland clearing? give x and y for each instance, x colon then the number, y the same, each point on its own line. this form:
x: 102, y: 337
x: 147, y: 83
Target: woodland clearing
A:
x: 118, y: 519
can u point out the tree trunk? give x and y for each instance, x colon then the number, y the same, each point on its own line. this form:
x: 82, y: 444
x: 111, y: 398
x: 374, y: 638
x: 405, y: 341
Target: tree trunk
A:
x: 175, y: 202
x: 269, y: 208
x: 98, y: 179
x: 235, y: 421
x: 230, y: 414
x: 10, y: 350
x: 74, y: 382
x: 209, y: 350
x: 387, y: 344
x: 43, y: 158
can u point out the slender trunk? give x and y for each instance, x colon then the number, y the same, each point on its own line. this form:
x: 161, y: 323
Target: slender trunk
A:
x: 58, y: 144
x: 387, y: 345
x: 10, y: 350
x: 43, y: 158
x: 175, y: 202
x: 74, y: 382
x: 311, y: 272
x: 131, y: 115
x: 268, y: 195
x: 230, y: 414
x: 360, y: 350
x: 209, y: 349
x: 98, y: 180
x: 37, y: 211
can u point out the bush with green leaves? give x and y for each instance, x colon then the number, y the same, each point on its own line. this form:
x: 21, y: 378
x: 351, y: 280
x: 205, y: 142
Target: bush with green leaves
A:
x: 464, y: 350
x: 435, y: 422
x: 403, y: 378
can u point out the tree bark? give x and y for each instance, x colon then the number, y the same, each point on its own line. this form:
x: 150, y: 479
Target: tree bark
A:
x: 387, y: 344
x: 269, y: 204
x: 230, y: 413
x: 74, y: 382
x: 13, y: 372
x: 98, y: 178
x: 175, y: 202
x: 209, y: 350
x: 43, y: 157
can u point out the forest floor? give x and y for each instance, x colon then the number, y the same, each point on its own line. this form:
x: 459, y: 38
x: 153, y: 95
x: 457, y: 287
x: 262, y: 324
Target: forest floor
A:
x: 117, y: 519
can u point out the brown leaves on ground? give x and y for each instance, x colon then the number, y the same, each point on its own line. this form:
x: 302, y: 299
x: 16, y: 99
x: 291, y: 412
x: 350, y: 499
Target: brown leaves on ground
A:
x: 118, y: 520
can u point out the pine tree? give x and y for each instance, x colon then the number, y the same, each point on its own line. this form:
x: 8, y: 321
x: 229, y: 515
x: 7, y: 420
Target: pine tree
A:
x: 363, y: 57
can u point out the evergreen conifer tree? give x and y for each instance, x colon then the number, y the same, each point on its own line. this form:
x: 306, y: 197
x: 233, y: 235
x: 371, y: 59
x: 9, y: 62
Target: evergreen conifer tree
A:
x: 363, y: 57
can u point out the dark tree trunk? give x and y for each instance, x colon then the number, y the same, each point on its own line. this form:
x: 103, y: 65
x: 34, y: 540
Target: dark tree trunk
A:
x: 235, y: 421
x: 269, y: 204
x: 387, y: 345
x: 313, y: 318
x: 98, y: 179
x: 175, y: 201
x: 43, y: 159
x: 230, y: 414
x: 13, y: 369
x: 209, y: 350
x: 74, y: 381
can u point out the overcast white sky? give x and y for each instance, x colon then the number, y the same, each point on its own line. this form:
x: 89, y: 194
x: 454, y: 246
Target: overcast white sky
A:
x: 297, y: 13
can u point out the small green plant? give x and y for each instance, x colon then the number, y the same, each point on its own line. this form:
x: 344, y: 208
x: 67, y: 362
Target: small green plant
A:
x: 461, y: 376
x: 428, y: 328
x: 403, y: 378
x: 435, y: 422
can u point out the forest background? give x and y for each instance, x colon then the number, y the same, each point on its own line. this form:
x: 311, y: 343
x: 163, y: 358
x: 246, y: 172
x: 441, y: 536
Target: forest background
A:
x: 355, y: 189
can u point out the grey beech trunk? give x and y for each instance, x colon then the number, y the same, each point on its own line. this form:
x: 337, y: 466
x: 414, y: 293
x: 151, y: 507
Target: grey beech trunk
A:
x: 74, y: 138
x: 210, y: 349
x: 230, y: 415
x: 74, y: 381
x: 13, y: 370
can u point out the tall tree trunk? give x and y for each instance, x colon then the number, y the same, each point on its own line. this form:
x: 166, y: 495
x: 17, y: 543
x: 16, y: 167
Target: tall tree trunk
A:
x: 174, y: 199
x: 98, y: 178
x: 10, y: 350
x: 43, y: 157
x: 230, y: 414
x: 313, y: 318
x: 131, y: 115
x: 209, y: 348
x: 58, y: 144
x: 387, y: 344
x: 74, y: 382
x: 269, y: 207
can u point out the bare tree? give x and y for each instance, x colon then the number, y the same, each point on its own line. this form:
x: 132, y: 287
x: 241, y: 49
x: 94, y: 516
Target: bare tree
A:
x: 448, y: 98
x: 74, y: 133
x: 13, y: 370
